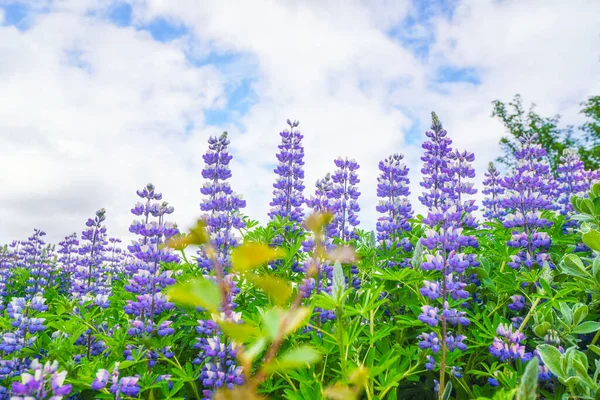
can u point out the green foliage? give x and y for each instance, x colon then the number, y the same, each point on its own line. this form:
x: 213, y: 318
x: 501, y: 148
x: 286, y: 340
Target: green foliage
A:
x: 519, y: 122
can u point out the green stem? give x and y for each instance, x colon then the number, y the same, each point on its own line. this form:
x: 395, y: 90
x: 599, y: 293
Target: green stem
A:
x: 529, y: 314
x: 340, y: 333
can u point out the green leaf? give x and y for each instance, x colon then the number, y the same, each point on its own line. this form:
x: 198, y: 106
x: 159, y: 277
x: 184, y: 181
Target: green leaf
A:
x: 278, y: 289
x: 447, y: 391
x: 295, y: 358
x: 586, y: 327
x: 566, y: 312
x: 529, y: 382
x: 339, y: 283
x: 592, y: 240
x: 198, y: 292
x: 552, y: 358
x: 573, y: 266
x: 254, y: 350
x: 581, y: 311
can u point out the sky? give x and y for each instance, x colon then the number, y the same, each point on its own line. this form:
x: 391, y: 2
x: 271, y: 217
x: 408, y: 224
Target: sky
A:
x: 100, y: 97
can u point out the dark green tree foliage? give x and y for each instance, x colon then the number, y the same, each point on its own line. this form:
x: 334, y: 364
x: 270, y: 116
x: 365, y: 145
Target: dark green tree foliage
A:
x: 589, y: 150
x: 519, y: 122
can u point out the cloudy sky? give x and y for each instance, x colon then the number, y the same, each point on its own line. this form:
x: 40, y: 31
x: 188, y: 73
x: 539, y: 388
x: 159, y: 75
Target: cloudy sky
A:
x: 99, y: 97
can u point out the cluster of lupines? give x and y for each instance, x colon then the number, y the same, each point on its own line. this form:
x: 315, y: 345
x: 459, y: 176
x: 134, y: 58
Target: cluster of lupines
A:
x: 460, y: 170
x: 493, y: 192
x: 44, y: 382
x: 449, y: 211
x: 114, y: 258
x: 25, y: 324
x: 221, y: 205
x: 320, y: 202
x: 222, y: 215
x: 127, y: 386
x: 36, y: 258
x: 288, y: 197
x: 526, y: 195
x: 396, y: 210
x: 217, y: 357
x: 570, y: 181
x: 68, y: 250
x: 148, y: 277
x: 344, y: 205
x: 90, y: 282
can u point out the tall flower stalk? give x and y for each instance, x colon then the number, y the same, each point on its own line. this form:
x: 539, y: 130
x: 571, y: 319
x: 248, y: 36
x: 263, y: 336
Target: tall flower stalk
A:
x: 288, y: 198
x: 445, y: 173
x: 396, y: 210
x: 89, y: 281
x: 223, y: 218
x: 493, y: 192
x: 149, y: 277
x: 221, y: 206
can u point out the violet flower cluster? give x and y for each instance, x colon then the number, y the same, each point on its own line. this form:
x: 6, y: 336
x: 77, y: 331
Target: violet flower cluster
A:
x: 44, y: 382
x: 222, y: 214
x: 217, y: 356
x: 287, y: 197
x: 343, y: 198
x: 127, y: 386
x: 148, y: 277
x: 221, y: 205
x: 90, y: 281
x: 36, y: 258
x: 570, y: 181
x: 527, y: 195
x: 396, y: 210
x: 493, y: 192
x: 445, y: 176
x: 68, y: 250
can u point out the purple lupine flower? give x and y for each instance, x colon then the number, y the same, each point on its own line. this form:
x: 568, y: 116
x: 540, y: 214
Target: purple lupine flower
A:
x: 45, y: 381
x: 287, y: 197
x: 320, y: 202
x: 493, y: 191
x: 446, y: 173
x: 507, y: 344
x: 526, y: 196
x: 344, y: 200
x: 218, y: 358
x: 68, y: 260
x: 148, y: 276
x: 36, y: 258
x: 392, y: 188
x: 344, y: 205
x: 90, y: 278
x: 115, y: 257
x: 101, y: 380
x: 435, y: 167
x: 221, y: 205
x: 570, y: 181
x: 459, y: 188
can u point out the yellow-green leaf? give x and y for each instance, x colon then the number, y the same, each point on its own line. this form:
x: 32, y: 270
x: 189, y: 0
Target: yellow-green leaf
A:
x: 339, y: 392
x: 251, y: 255
x: 317, y: 221
x: 198, y: 292
x: 239, y: 332
x: 295, y: 358
x: 278, y: 289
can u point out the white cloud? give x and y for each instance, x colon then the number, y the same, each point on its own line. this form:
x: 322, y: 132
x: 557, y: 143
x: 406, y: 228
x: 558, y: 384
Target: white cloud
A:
x: 91, y: 111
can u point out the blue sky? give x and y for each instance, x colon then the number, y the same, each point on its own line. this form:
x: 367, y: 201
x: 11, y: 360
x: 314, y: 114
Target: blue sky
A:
x: 114, y: 97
